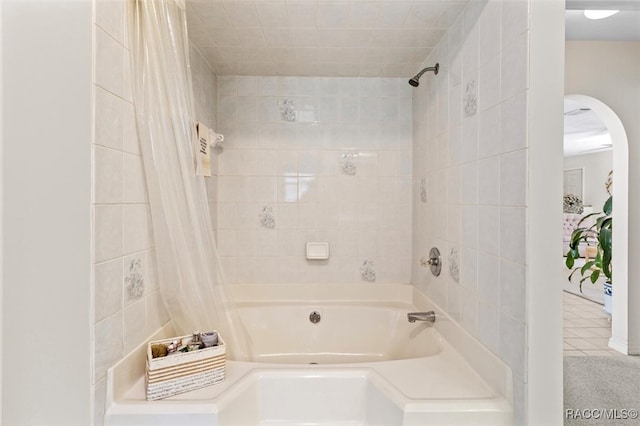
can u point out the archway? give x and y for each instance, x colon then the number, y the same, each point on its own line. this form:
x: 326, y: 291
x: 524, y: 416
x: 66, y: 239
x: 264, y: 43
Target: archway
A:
x: 620, y: 260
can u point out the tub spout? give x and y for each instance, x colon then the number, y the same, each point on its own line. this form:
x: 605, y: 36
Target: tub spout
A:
x: 429, y: 316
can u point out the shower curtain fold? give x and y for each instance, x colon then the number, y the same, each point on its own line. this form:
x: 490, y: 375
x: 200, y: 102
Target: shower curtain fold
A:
x: 189, y: 271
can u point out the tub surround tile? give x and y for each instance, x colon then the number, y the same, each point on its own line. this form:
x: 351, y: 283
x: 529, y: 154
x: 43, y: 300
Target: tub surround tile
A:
x: 513, y: 178
x: 489, y: 183
x: 512, y: 290
x: 122, y: 234
x: 134, y: 282
x: 108, y: 345
x: 512, y: 344
x: 108, y: 232
x: 99, y: 401
x: 109, y: 63
x: 134, y: 181
x: 108, y: 176
x: 514, y: 123
x: 135, y: 232
x: 490, y: 132
x: 108, y: 119
x: 108, y: 288
x: 514, y: 67
x: 513, y: 223
x: 134, y: 325
x: 470, y: 142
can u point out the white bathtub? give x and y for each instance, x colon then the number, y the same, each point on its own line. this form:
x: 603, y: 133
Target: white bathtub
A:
x: 363, y: 363
x: 346, y: 333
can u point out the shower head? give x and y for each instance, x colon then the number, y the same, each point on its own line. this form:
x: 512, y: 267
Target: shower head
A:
x: 415, y: 81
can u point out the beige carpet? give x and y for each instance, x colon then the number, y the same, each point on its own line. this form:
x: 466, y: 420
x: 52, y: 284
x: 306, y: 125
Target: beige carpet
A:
x: 607, y: 387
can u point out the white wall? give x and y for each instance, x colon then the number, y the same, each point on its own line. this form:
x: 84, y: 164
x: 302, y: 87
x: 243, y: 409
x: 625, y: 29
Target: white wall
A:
x: 46, y: 218
x: 617, y: 84
x: 296, y: 168
x: 596, y: 169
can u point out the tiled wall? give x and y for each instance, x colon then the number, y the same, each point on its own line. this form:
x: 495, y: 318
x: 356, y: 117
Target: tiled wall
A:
x: 314, y: 159
x: 470, y: 178
x: 127, y: 304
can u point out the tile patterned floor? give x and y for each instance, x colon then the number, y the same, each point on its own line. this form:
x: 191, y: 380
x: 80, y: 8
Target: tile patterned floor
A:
x: 586, y: 328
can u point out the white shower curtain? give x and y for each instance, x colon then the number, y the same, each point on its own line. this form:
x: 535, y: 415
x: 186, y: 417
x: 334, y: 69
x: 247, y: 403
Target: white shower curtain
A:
x: 191, y: 281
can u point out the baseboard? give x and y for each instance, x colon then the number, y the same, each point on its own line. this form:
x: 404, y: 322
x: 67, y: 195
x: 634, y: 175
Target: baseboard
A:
x: 621, y: 346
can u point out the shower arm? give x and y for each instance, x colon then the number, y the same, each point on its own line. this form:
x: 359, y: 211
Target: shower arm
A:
x: 435, y: 70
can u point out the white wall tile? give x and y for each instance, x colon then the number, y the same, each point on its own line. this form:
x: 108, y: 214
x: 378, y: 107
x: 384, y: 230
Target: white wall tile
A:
x: 513, y: 224
x: 514, y: 123
x: 108, y: 119
x: 489, y: 227
x: 110, y: 16
x: 490, y: 132
x: 156, y: 313
x: 130, y: 141
x: 490, y: 83
x: 489, y: 325
x: 135, y: 189
x: 515, y: 19
x: 108, y: 232
x: 513, y: 178
x: 489, y: 279
x: 489, y: 181
x: 469, y: 144
x: 109, y: 63
x: 513, y: 290
x: 469, y: 183
x: 134, y: 325
x: 514, y: 67
x: 512, y: 344
x: 490, y: 30
x: 108, y: 175
x: 135, y: 233
x: 99, y: 400
x: 108, y: 288
x: 108, y: 346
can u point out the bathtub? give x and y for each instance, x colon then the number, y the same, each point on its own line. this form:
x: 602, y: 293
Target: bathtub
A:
x: 362, y: 363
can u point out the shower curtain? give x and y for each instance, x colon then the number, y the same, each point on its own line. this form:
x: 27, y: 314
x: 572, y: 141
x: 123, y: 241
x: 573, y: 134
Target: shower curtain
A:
x: 189, y: 273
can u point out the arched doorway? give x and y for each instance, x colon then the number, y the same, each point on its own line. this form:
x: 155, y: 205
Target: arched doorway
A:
x: 620, y: 261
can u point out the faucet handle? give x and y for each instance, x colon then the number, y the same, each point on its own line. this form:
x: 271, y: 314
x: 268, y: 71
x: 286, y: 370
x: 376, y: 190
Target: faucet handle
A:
x: 433, y: 261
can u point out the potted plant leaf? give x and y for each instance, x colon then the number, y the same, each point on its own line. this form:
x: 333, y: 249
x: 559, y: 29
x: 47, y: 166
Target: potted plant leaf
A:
x: 600, y: 233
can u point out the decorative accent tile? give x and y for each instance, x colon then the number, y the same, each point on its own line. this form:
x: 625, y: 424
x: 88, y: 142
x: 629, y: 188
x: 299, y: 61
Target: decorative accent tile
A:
x: 423, y: 190
x: 267, y: 219
x: 454, y: 265
x: 134, y: 281
x: 470, y: 99
x: 288, y: 110
x: 367, y: 272
x: 348, y: 163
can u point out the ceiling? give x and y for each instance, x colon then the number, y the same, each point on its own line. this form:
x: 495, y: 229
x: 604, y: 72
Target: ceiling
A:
x: 623, y: 26
x: 373, y: 38
x: 584, y: 130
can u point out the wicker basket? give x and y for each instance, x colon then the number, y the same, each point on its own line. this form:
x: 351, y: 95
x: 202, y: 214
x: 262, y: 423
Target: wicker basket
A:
x: 184, y: 371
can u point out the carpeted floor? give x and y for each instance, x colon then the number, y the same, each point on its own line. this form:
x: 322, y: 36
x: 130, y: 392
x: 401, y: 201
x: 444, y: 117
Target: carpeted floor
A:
x: 593, y: 384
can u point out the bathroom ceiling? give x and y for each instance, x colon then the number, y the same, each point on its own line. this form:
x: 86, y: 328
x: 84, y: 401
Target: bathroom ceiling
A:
x: 353, y: 38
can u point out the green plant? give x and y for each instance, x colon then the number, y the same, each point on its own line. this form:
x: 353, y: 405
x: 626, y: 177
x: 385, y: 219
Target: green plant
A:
x: 601, y: 231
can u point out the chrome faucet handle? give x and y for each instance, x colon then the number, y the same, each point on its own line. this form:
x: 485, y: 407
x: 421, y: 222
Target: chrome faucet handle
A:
x: 433, y: 261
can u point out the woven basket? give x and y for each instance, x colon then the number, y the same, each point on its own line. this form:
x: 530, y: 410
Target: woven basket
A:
x: 185, y: 371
